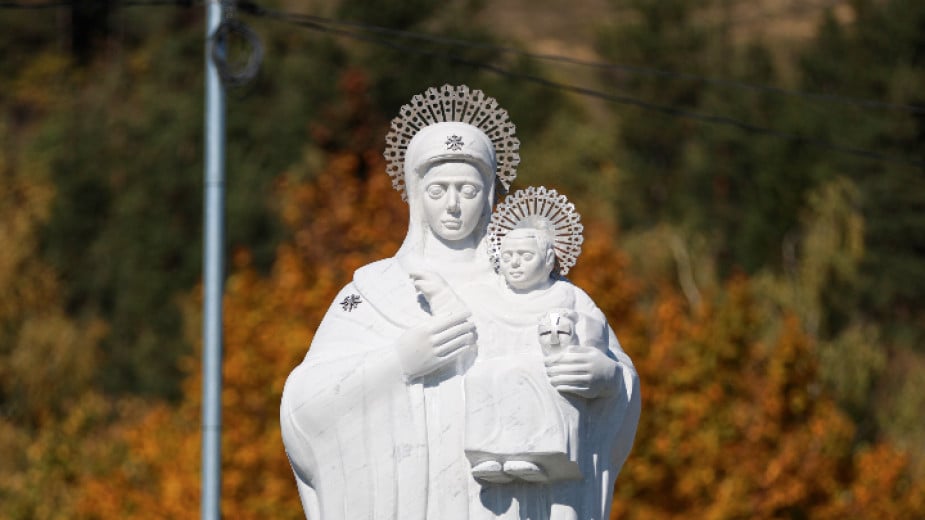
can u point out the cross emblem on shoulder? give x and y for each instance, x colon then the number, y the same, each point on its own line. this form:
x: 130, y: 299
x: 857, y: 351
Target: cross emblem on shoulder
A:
x: 351, y: 302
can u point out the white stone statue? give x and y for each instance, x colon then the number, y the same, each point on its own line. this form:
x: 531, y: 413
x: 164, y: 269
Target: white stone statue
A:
x: 520, y: 426
x: 381, y: 419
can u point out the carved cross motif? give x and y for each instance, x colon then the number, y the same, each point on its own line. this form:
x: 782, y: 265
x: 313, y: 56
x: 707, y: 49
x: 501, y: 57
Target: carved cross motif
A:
x: 554, y: 327
x: 351, y: 302
x: 454, y: 142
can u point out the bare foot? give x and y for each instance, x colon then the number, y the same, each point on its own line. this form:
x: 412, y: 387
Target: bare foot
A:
x: 525, y: 470
x: 490, y: 471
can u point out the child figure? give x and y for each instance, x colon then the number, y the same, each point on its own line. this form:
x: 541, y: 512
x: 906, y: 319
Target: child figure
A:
x: 518, y: 427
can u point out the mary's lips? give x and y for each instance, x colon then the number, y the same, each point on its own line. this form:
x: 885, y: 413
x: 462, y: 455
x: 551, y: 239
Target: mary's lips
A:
x: 451, y: 224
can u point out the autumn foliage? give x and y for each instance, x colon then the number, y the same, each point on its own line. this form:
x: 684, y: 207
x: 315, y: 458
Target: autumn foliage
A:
x: 735, y: 423
x: 787, y: 392
x: 269, y: 321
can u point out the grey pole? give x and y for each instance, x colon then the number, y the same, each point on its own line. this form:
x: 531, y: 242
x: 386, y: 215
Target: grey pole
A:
x: 213, y: 276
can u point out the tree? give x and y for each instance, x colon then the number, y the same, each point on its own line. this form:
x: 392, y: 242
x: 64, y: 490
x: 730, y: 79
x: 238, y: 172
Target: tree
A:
x: 885, y: 45
x: 48, y: 360
x: 737, y: 422
x: 735, y: 419
x: 339, y: 223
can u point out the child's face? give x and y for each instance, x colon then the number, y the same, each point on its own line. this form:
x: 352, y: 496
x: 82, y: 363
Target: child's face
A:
x: 523, y: 265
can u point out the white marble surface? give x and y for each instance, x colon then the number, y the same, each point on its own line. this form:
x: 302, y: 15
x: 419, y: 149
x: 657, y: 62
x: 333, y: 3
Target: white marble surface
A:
x: 430, y: 365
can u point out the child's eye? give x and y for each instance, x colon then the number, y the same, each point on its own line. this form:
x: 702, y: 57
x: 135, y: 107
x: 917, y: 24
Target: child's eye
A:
x: 469, y: 191
x: 435, y: 191
x: 528, y: 256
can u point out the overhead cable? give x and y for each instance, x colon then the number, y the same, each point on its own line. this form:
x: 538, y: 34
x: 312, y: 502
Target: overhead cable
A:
x: 234, y: 74
x: 308, y: 23
x: 255, y: 9
x: 367, y: 33
x: 116, y: 4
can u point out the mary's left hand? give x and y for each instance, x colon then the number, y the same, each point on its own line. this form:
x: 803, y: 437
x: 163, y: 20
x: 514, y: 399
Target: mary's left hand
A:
x: 583, y: 371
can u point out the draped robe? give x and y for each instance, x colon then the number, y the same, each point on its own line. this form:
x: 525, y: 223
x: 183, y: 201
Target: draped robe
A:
x: 367, y: 443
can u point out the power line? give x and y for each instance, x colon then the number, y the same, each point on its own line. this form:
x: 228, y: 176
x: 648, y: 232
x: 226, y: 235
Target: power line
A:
x: 309, y: 23
x: 142, y: 3
x: 255, y: 9
x: 42, y: 5
x: 325, y: 25
x: 123, y: 3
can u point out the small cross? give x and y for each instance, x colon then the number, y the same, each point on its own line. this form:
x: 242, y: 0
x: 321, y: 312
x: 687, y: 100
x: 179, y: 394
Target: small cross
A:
x: 454, y: 142
x: 557, y: 328
x: 351, y: 302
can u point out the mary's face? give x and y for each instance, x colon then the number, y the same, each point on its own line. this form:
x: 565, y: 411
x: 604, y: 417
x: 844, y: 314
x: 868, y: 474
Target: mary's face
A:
x: 453, y: 200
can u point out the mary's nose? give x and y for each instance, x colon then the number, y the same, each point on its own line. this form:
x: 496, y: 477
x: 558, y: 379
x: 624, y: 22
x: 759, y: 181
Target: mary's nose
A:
x: 452, y: 201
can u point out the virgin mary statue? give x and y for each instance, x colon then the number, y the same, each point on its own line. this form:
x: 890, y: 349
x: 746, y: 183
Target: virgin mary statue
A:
x: 373, y: 419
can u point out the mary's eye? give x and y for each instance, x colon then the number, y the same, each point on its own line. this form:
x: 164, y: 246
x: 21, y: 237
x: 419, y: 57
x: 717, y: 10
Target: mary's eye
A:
x: 469, y: 191
x: 505, y: 257
x: 435, y: 191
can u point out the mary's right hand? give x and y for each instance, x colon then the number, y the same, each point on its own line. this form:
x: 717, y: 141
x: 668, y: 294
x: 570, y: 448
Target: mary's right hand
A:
x: 435, y: 344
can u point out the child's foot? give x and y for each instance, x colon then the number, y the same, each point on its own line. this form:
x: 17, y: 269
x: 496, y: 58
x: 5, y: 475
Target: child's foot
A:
x: 525, y: 470
x: 490, y: 471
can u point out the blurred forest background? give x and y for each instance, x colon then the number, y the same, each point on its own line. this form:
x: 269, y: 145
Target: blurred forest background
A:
x: 767, y: 276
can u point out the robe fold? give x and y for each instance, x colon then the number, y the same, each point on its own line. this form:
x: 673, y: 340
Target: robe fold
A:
x: 366, y: 443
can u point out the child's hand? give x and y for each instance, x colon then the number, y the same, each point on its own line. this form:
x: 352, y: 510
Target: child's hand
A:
x: 429, y: 283
x: 439, y: 295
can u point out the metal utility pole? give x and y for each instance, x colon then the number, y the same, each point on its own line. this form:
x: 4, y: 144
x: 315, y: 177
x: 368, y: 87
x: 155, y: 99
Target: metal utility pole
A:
x: 213, y: 273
